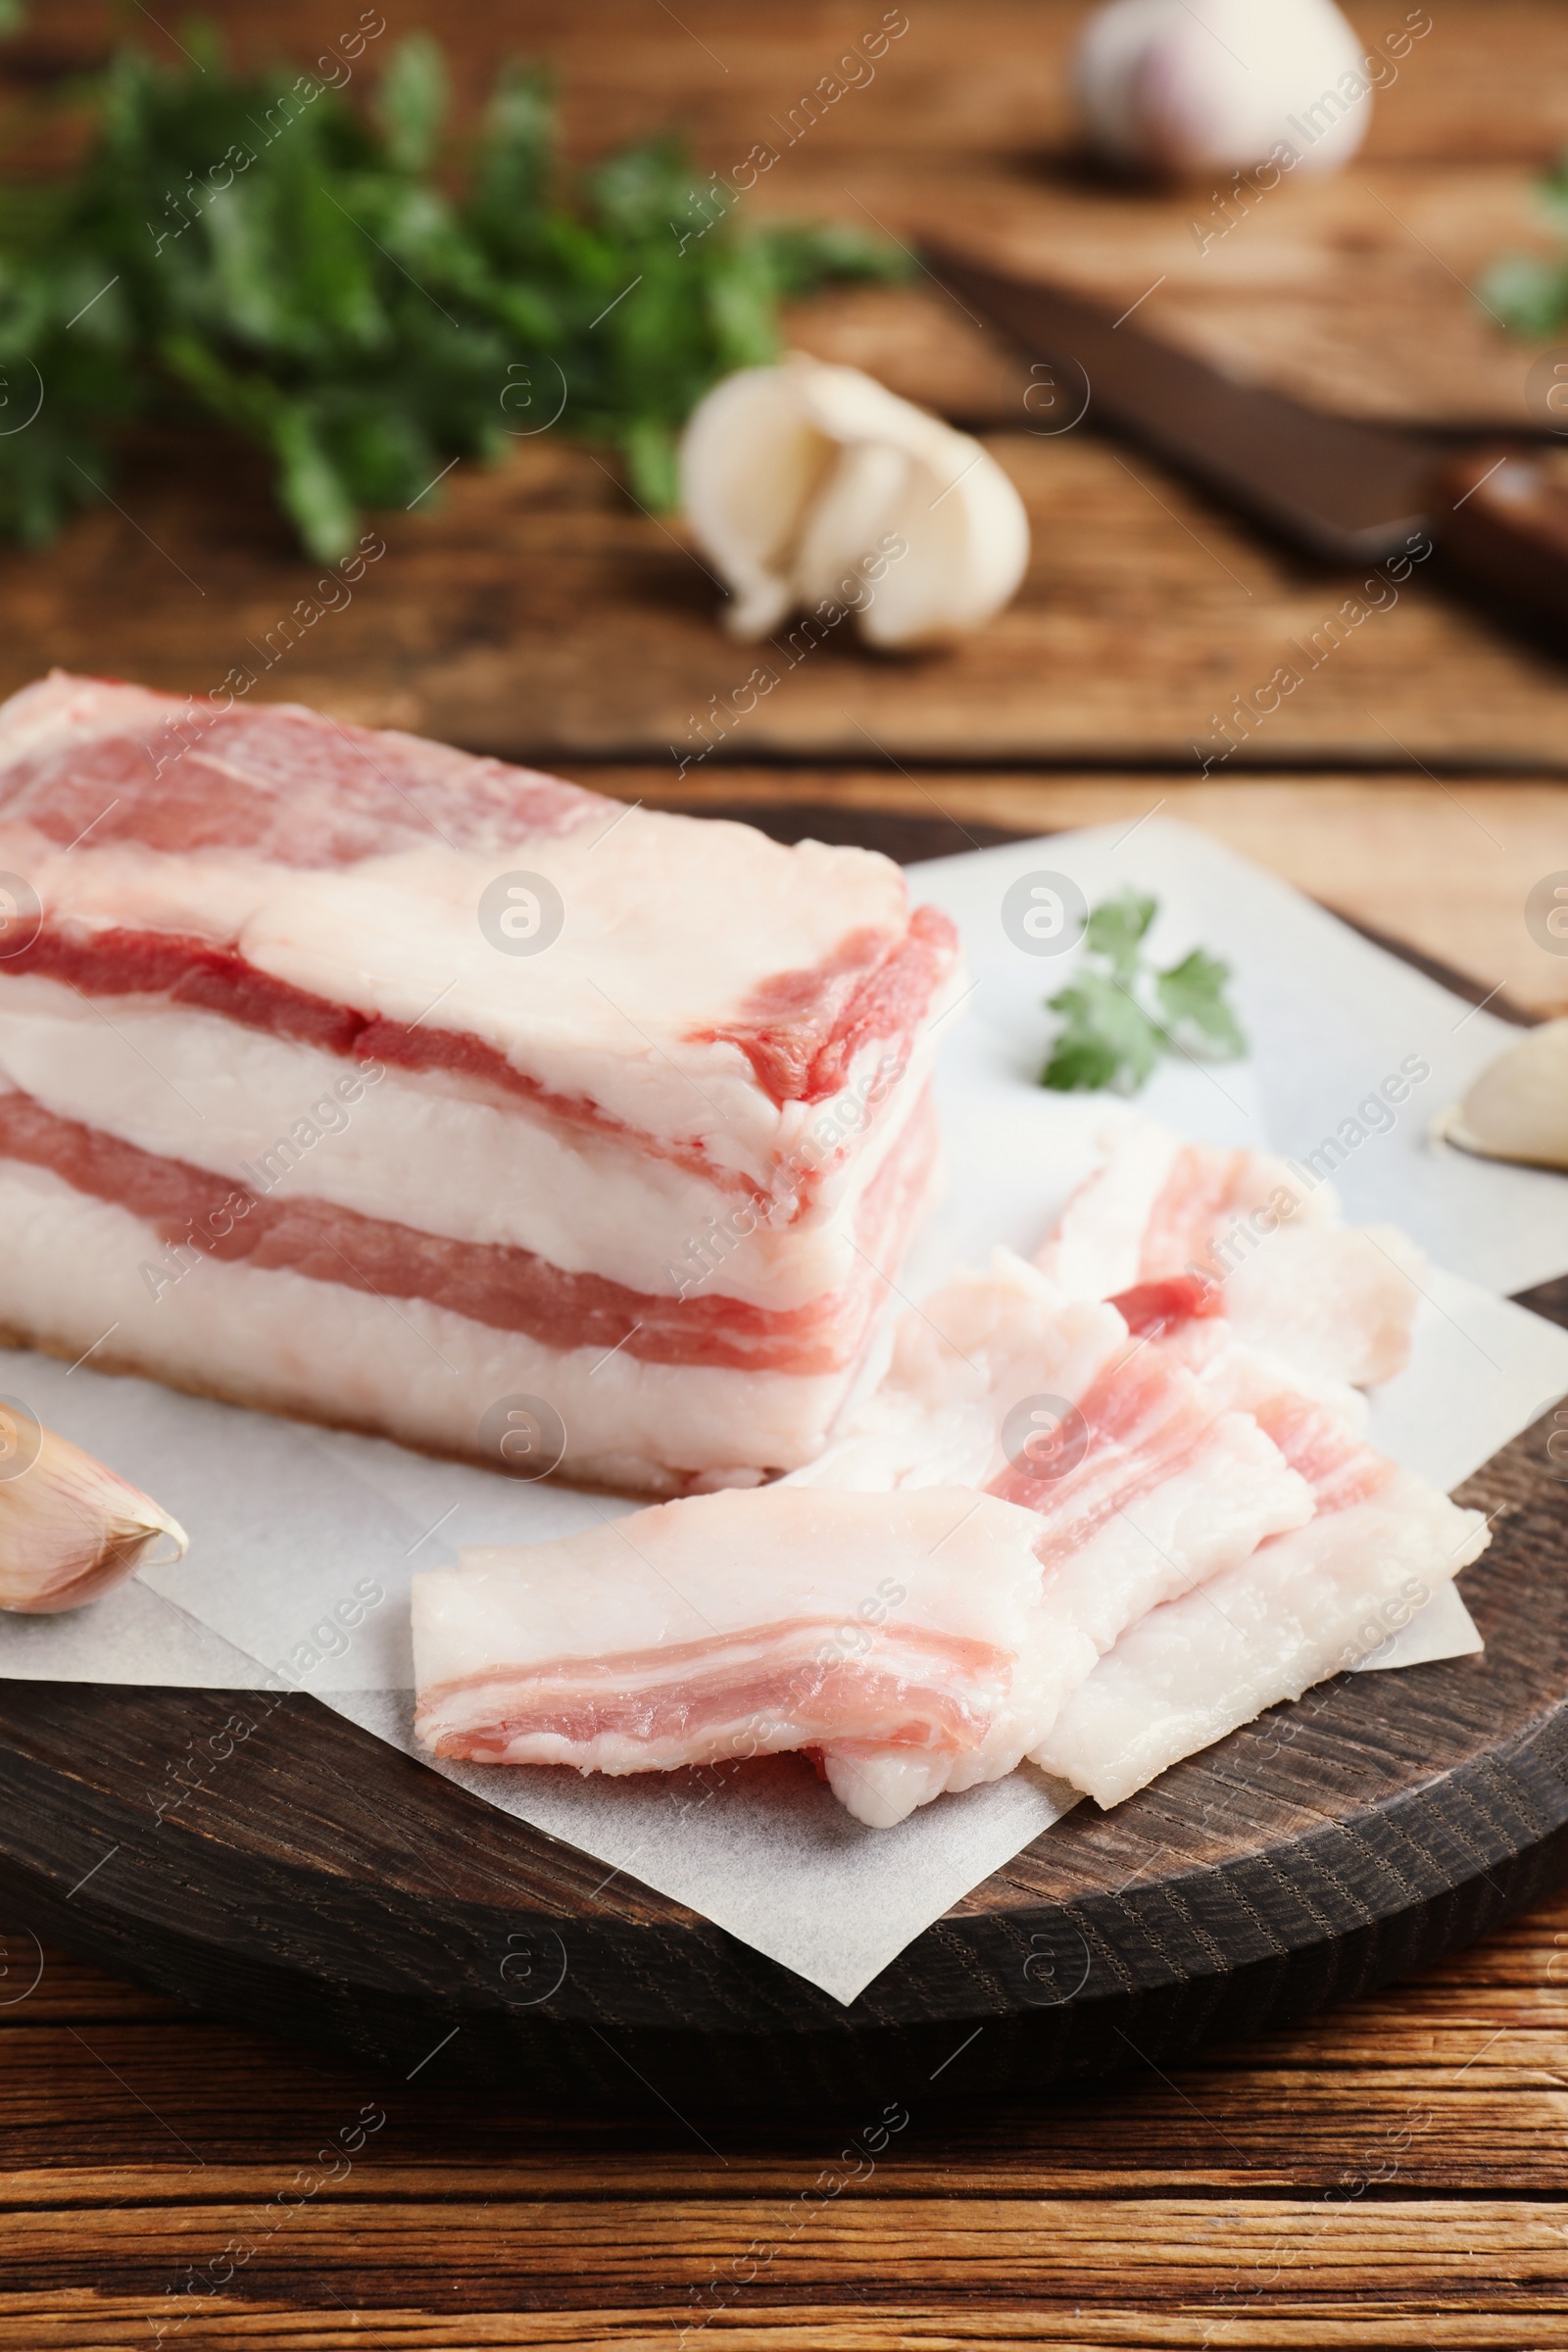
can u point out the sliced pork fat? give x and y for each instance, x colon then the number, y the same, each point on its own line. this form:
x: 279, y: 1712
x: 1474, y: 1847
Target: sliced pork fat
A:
x: 728, y: 1626
x: 1143, y: 1480
x: 1305, y: 1606
x: 1262, y: 1237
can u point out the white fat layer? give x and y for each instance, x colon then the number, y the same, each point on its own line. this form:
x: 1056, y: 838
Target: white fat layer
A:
x: 1305, y: 1608
x: 1339, y: 1304
x: 1249, y: 1378
x: 72, y: 1279
x: 269, y: 1114
x: 720, y: 1565
x: 1095, y: 1247
x: 670, y: 924
x: 883, y: 1787
x: 1094, y: 1250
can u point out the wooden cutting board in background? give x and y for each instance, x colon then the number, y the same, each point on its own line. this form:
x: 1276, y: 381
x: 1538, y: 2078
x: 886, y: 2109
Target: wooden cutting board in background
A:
x: 1355, y: 294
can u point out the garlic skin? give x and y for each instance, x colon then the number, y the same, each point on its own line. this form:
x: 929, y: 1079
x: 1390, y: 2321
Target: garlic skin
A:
x: 802, y: 482
x: 68, y: 1527
x: 1518, y: 1107
x: 1184, y: 87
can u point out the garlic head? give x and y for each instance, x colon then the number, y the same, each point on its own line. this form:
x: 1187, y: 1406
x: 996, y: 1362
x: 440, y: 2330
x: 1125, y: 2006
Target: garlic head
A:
x: 807, y: 483
x: 1518, y: 1107
x: 1190, y: 86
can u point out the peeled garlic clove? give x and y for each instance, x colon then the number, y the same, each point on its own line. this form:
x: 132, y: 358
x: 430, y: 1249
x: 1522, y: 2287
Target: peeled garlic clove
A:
x: 744, y: 508
x: 1518, y: 1106
x: 68, y: 1527
x: 809, y: 484
x: 1183, y: 86
x: 849, y: 511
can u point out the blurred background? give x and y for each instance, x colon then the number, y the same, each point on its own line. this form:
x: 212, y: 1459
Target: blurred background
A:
x: 540, y: 601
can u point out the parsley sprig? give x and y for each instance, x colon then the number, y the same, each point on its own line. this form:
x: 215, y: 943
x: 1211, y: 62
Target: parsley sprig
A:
x: 263, y: 251
x: 1527, y: 291
x: 1120, y: 1015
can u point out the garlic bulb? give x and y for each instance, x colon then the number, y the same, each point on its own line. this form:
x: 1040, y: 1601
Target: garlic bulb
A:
x: 1185, y: 86
x: 812, y: 485
x: 68, y: 1527
x: 1518, y: 1106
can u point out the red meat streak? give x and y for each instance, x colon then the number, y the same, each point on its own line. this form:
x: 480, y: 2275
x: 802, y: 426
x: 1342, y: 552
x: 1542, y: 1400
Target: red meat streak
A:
x: 702, y: 1694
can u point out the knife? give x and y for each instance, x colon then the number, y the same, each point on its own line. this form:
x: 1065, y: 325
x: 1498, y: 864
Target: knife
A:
x: 1348, y: 492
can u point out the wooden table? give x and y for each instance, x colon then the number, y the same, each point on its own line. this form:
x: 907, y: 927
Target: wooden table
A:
x: 1389, y: 2175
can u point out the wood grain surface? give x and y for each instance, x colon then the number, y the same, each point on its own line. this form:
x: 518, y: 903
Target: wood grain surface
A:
x: 969, y: 78
x: 1345, y: 289
x: 537, y: 614
x: 1390, y: 2176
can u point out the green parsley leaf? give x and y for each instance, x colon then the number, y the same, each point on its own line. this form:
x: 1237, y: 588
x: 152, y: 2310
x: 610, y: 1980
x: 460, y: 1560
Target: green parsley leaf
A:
x: 1192, y: 997
x: 1120, y: 1015
x: 1107, y: 1039
x: 1528, y: 292
x: 257, y: 252
x: 1116, y: 930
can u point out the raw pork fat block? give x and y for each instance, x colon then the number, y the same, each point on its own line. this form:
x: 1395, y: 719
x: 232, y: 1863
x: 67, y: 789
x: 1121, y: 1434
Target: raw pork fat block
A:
x: 366, y: 1080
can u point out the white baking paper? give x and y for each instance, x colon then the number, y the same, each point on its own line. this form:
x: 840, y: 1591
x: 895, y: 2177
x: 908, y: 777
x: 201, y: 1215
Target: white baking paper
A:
x: 1444, y: 1629
x: 304, y: 1541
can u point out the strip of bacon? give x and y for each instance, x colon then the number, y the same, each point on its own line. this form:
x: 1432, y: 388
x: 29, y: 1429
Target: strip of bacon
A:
x: 1303, y: 1607
x: 1307, y: 1605
x: 738, y: 1625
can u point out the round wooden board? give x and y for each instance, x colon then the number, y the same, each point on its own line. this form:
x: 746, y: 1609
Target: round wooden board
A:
x: 325, y: 1886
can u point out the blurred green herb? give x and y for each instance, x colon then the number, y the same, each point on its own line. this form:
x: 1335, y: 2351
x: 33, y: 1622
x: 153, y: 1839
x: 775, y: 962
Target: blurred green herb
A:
x: 1120, y: 1015
x: 255, y: 250
x: 1528, y: 292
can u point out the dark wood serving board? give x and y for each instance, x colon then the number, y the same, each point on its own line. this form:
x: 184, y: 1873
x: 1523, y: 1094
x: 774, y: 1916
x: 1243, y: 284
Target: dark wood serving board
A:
x: 325, y: 1886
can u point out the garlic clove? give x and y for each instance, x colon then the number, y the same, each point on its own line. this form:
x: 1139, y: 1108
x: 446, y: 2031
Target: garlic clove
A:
x: 1518, y: 1107
x: 969, y: 539
x: 848, y: 514
x: 797, y: 480
x: 1191, y: 86
x: 751, y: 463
x: 68, y: 1527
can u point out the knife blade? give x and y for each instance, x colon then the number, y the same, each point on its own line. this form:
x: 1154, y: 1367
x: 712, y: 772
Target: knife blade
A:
x: 1348, y: 492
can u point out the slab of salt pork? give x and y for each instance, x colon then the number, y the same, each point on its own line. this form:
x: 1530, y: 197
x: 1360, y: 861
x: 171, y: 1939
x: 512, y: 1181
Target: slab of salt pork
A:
x: 358, y: 1078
